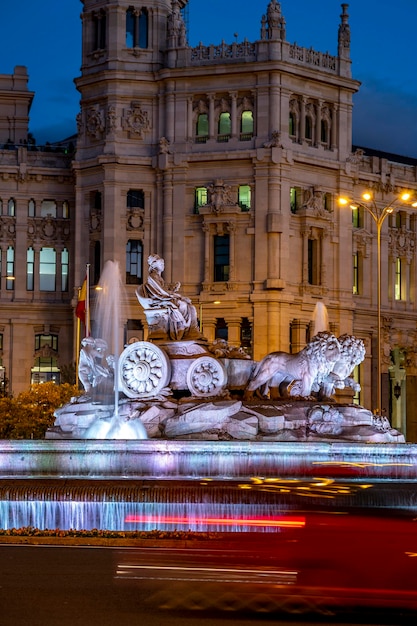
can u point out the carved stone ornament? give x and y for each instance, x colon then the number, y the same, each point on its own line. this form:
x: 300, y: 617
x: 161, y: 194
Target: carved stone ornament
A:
x: 219, y: 196
x: 206, y: 377
x: 48, y: 228
x: 95, y: 122
x: 95, y: 221
x: 134, y: 220
x: 137, y: 120
x: 144, y: 370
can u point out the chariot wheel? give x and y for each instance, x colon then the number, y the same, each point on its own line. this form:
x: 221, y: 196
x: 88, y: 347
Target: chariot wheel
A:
x: 144, y: 370
x: 206, y: 376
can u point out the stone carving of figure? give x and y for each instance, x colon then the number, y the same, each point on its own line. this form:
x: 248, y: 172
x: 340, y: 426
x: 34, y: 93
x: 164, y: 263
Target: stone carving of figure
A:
x: 91, y: 369
x: 179, y: 318
x: 275, y: 20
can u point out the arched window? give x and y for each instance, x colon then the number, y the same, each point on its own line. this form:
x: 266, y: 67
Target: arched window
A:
x: 134, y: 262
x: 246, y: 126
x: 202, y: 127
x: 324, y: 132
x: 11, y: 207
x: 31, y: 208
x: 308, y: 128
x: 225, y: 126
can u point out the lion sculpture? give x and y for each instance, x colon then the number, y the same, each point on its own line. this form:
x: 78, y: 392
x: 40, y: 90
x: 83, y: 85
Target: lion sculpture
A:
x: 352, y: 353
x: 295, y: 374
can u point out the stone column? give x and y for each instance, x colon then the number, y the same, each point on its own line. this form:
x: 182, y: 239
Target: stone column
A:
x: 233, y: 96
x: 318, y: 123
x: 168, y: 224
x: 191, y: 131
x: 233, y: 325
x: 207, y: 255
x: 231, y: 229
x: 170, y: 111
x: 212, y: 132
x: 302, y: 121
x: 334, y: 127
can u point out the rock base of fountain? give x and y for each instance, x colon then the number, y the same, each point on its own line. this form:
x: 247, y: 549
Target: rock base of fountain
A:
x: 227, y: 419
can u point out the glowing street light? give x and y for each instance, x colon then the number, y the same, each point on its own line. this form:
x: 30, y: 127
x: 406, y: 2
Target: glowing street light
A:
x: 378, y: 214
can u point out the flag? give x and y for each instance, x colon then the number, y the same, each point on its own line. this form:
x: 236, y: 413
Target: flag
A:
x: 81, y: 308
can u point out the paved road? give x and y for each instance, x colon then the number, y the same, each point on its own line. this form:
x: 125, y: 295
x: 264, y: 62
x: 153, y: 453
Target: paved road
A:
x: 80, y: 586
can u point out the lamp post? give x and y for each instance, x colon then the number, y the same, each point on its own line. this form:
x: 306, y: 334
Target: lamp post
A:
x: 378, y: 214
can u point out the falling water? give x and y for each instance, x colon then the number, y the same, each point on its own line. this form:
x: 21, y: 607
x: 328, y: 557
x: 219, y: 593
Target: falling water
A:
x: 320, y: 318
x: 107, y: 315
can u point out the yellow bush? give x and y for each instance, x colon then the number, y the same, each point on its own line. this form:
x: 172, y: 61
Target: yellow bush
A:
x: 31, y: 413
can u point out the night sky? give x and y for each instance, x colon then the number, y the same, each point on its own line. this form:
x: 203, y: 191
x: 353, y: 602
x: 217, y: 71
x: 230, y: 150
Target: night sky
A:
x: 46, y: 37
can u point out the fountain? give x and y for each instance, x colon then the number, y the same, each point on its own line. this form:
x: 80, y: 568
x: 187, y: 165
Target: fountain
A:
x: 187, y: 418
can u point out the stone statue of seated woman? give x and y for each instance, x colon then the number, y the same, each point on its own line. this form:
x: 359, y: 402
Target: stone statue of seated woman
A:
x: 169, y: 314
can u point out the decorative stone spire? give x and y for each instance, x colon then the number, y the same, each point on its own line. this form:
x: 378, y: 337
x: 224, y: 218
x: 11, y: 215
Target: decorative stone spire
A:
x: 176, y: 28
x: 344, y: 34
x: 273, y: 25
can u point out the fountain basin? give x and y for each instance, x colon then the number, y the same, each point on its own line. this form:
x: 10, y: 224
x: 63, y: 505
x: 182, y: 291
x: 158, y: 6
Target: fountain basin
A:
x: 153, y: 459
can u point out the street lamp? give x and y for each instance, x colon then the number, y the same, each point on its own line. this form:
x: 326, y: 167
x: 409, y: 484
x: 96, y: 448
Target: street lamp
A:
x: 378, y: 214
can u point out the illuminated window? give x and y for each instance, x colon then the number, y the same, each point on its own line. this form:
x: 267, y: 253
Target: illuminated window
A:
x: 48, y: 207
x: 202, y: 127
x: 65, y: 209
x: 30, y: 268
x: 221, y: 258
x: 246, y: 125
x: 64, y: 269
x: 357, y: 217
x: 50, y: 341
x: 45, y: 370
x: 225, y: 126
x: 244, y: 197
x: 398, y: 279
x: 296, y: 197
x: 47, y: 269
x: 134, y: 262
x: 355, y: 288
x: 10, y: 277
x: 200, y: 198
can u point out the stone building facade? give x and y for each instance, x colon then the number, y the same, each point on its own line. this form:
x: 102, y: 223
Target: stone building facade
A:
x: 227, y: 160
